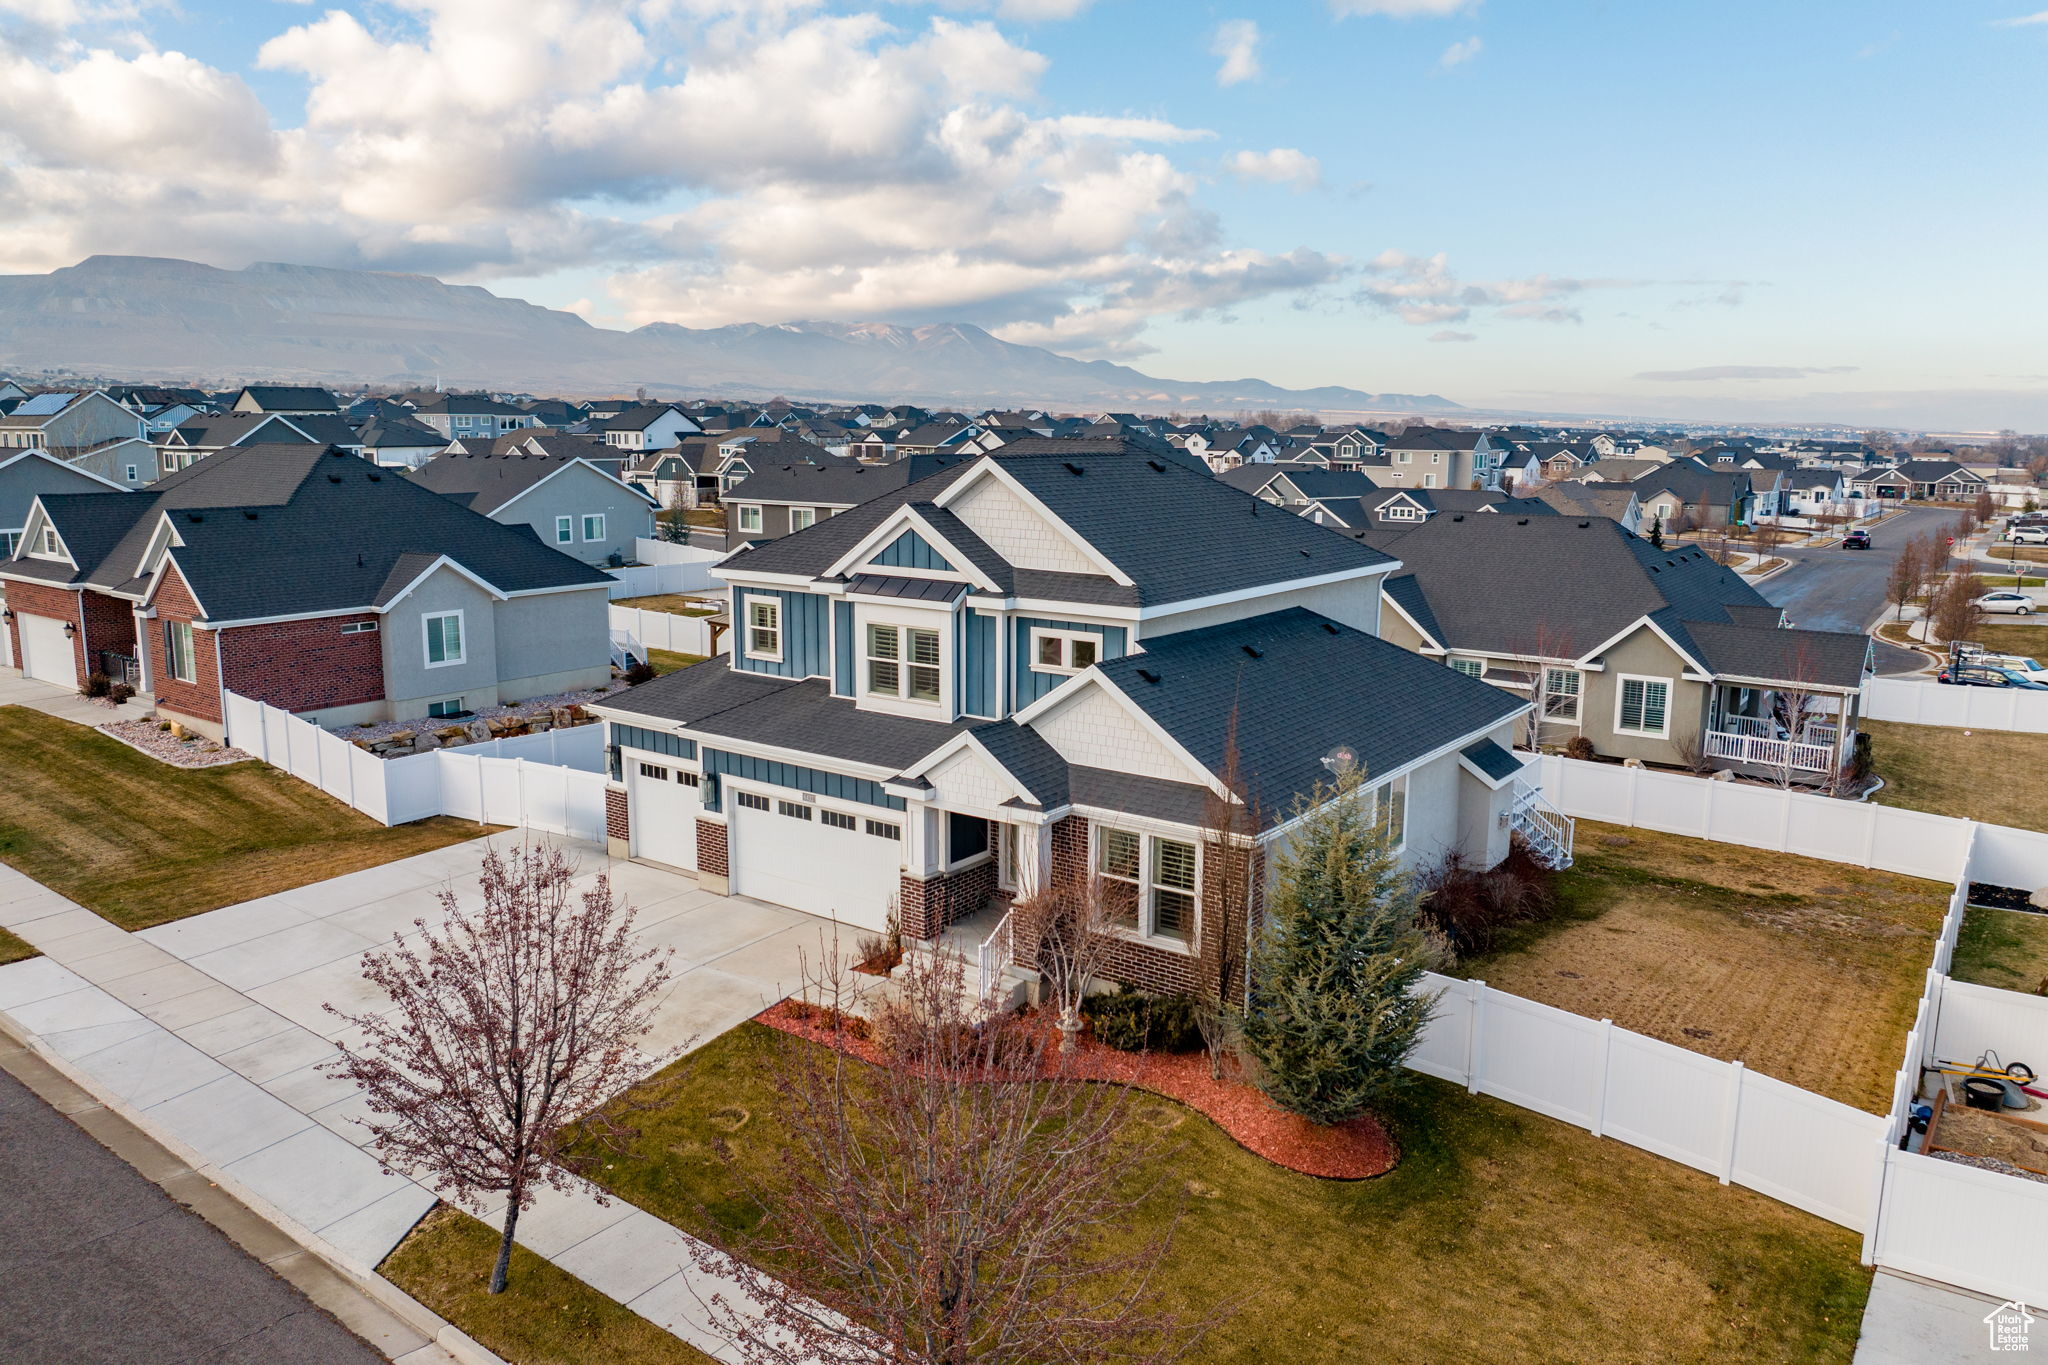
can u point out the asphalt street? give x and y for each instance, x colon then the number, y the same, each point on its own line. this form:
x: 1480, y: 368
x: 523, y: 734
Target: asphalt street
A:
x: 1837, y: 589
x: 99, y: 1266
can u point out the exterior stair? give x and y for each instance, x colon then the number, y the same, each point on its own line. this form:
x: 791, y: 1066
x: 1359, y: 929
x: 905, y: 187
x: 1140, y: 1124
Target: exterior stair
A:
x: 1547, y: 830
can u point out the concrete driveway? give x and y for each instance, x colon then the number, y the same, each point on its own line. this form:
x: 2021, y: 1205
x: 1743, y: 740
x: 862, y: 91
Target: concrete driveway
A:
x: 64, y: 703
x: 297, y: 952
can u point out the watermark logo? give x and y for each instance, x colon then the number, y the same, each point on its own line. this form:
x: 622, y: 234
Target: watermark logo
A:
x: 2008, y: 1324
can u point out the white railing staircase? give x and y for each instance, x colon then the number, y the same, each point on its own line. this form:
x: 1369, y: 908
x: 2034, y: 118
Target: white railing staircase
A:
x: 1547, y: 830
x: 627, y: 650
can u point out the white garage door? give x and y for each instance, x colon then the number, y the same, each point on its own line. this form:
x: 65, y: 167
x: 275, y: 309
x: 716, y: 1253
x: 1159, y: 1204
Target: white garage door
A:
x: 816, y: 859
x: 661, y: 814
x: 46, y: 654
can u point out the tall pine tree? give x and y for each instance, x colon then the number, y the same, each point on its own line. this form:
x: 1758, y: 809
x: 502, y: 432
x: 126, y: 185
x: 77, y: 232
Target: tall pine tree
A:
x: 1334, y: 1008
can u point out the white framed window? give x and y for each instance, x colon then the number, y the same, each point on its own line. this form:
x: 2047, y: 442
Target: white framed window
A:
x: 444, y: 638
x: 1429, y: 480
x: 1561, y: 694
x: 655, y: 771
x: 802, y: 517
x: 1390, y: 811
x: 1642, y: 706
x: 795, y: 810
x: 764, y: 628
x: 882, y: 829
x: 689, y: 779
x: 447, y: 706
x: 10, y: 541
x: 1400, y: 457
x: 1402, y: 512
x: 751, y: 800
x: 837, y: 819
x: 131, y: 473
x: 358, y: 627
x: 565, y: 530
x: 178, y: 655
x: 1064, y: 651
x: 51, y: 545
x: 593, y: 526
x: 903, y: 661
x: 1471, y: 668
x: 1151, y: 883
x: 750, y: 518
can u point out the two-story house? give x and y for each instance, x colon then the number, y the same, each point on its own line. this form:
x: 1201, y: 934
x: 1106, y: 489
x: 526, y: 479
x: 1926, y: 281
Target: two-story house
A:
x: 1658, y: 655
x: 1033, y: 668
x: 289, y: 400
x: 569, y: 502
x: 650, y: 426
x: 473, y: 415
x: 1435, y: 457
x: 305, y: 577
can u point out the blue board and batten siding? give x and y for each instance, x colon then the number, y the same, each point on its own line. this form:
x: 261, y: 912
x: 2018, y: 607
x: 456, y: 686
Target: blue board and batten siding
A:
x: 843, y: 682
x: 805, y: 649
x: 1027, y: 685
x: 654, y: 741
x: 912, y: 551
x: 748, y: 768
x: 978, y: 665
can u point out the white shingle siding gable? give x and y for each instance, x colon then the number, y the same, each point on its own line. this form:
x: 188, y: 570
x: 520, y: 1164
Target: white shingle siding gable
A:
x: 964, y: 780
x: 1017, y: 532
x: 1094, y: 731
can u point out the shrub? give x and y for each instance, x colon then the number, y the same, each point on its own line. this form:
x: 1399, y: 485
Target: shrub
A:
x: 120, y: 693
x: 638, y: 672
x: 1579, y: 747
x: 1468, y: 907
x: 95, y: 686
x: 1133, y: 1021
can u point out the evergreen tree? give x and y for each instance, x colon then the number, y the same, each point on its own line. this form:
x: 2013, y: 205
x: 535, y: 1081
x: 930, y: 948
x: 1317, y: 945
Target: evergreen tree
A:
x: 1657, y: 533
x: 1334, y: 1008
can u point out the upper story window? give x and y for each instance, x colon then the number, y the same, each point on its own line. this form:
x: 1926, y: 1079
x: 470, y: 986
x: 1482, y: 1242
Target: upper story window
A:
x: 565, y: 530
x: 1471, y: 668
x: 1150, y: 883
x: 1063, y: 651
x: 764, y: 628
x: 801, y: 517
x: 903, y: 661
x: 1561, y: 694
x: 750, y: 518
x: 593, y: 526
x: 444, y: 638
x: 50, y: 544
x: 1390, y: 812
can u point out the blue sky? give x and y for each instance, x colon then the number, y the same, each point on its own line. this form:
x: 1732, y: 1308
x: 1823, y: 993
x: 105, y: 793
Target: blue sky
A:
x: 1811, y: 211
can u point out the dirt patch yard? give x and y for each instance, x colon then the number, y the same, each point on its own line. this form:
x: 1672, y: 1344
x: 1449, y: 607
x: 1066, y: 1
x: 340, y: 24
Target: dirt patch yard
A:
x: 1804, y: 970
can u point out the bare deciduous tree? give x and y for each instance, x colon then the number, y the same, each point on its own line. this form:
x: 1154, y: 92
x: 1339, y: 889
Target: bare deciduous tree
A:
x: 1231, y: 872
x: 1903, y: 583
x: 950, y: 1205
x: 1071, y: 923
x: 514, y: 1019
x: 1954, y: 612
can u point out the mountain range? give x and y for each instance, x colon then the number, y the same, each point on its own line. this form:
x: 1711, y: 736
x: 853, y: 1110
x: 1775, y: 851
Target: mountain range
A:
x: 142, y: 318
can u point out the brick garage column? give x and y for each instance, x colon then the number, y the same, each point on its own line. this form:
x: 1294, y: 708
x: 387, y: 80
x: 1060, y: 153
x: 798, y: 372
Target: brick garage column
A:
x: 924, y: 907
x: 617, y: 842
x: 714, y: 873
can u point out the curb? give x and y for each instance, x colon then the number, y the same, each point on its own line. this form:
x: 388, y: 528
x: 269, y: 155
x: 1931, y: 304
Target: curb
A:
x: 400, y: 1304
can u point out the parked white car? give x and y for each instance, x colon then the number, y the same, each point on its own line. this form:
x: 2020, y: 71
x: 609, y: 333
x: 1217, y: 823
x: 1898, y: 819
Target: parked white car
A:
x: 2008, y: 602
x: 2028, y: 535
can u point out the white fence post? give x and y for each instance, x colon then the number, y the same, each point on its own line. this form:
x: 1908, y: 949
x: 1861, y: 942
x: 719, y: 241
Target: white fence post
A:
x: 1475, y: 1054
x: 1734, y: 1121
x: 1599, y: 1127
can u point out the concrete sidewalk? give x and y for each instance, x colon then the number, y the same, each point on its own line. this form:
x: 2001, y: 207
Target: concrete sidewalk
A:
x: 1910, y: 1321
x: 209, y: 1033
x: 65, y: 703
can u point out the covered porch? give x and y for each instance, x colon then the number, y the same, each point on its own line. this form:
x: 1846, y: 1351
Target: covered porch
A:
x: 1781, y: 730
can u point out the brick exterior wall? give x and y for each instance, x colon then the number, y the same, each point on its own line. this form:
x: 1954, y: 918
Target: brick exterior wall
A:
x: 615, y: 819
x: 41, y: 599
x: 1143, y: 965
x: 305, y: 665
x: 109, y: 627
x: 711, y: 849
x: 925, y: 907
x: 201, y: 697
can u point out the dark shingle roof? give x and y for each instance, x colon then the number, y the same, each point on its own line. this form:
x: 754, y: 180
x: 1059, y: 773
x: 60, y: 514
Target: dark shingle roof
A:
x: 1293, y: 686
x: 1496, y: 762
x: 284, y: 397
x: 1822, y: 658
x: 487, y: 482
x: 834, y: 485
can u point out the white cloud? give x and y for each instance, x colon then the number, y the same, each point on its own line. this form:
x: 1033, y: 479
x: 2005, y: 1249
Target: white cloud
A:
x: 2022, y: 21
x: 1280, y: 166
x: 1237, y: 43
x: 1402, y: 9
x: 1449, y: 335
x: 1421, y: 290
x: 1458, y: 53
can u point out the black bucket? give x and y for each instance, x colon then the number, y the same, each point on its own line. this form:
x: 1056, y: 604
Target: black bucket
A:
x: 1979, y: 1093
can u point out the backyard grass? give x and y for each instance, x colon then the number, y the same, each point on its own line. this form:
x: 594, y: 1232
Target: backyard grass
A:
x: 1995, y: 775
x: 674, y: 603
x: 668, y: 660
x: 2003, y: 948
x: 545, y: 1316
x: 143, y: 843
x: 2008, y: 637
x: 1807, y: 971
x: 13, y: 949
x: 1502, y: 1235
x: 2025, y: 554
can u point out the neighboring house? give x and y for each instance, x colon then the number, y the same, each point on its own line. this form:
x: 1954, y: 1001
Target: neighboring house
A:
x: 456, y: 415
x: 307, y: 578
x: 1658, y: 655
x: 67, y: 424
x: 1519, y: 469
x: 779, y: 499
x: 291, y: 400
x: 398, y: 442
x: 1806, y: 492
x: 1686, y: 495
x: 651, y: 426
x: 200, y: 437
x: 1942, y: 480
x: 26, y: 475
x: 570, y: 503
x: 1432, y: 457
x: 1026, y: 669
x: 1615, y: 501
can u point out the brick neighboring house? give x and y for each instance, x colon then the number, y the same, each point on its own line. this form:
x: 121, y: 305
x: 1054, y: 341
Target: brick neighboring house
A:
x: 305, y: 577
x: 1025, y: 666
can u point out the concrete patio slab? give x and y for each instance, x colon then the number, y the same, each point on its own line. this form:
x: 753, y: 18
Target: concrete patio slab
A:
x: 1910, y: 1321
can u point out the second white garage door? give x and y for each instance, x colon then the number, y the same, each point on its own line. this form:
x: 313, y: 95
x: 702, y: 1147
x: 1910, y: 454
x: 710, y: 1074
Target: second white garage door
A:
x: 822, y: 861
x: 661, y: 814
x: 45, y: 654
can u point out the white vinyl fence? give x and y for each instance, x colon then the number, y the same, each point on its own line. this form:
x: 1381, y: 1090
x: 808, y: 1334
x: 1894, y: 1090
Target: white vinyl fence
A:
x: 665, y: 567
x: 552, y: 781
x: 1719, y: 1117
x: 1976, y: 708
x: 665, y: 629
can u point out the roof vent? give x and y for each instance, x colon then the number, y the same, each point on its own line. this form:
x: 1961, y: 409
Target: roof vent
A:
x: 334, y: 478
x: 1459, y: 517
x: 1157, y: 468
x: 1148, y: 675
x: 359, y: 559
x: 1329, y: 627
x: 1584, y: 525
x: 195, y: 516
x: 1252, y: 653
x: 249, y: 513
x: 376, y: 478
x: 1523, y: 522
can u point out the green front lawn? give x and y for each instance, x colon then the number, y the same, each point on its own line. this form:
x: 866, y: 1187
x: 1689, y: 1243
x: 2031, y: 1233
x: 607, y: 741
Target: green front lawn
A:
x: 1502, y: 1235
x: 545, y: 1316
x: 668, y: 660
x: 674, y: 603
x: 2003, y: 948
x: 143, y: 843
x: 1998, y: 776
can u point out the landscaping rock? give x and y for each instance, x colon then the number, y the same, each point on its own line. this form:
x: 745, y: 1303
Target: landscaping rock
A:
x: 2039, y: 900
x: 479, y: 731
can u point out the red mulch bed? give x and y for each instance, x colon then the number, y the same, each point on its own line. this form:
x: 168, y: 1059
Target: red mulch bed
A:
x: 1357, y: 1150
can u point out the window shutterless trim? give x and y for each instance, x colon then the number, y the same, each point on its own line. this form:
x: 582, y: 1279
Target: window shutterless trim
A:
x: 1621, y: 682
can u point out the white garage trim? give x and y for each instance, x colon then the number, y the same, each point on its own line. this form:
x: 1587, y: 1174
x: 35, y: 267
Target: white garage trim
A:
x: 825, y: 858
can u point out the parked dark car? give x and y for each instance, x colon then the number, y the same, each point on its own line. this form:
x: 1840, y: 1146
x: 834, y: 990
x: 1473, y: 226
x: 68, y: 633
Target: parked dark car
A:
x: 1984, y: 675
x: 1856, y: 540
